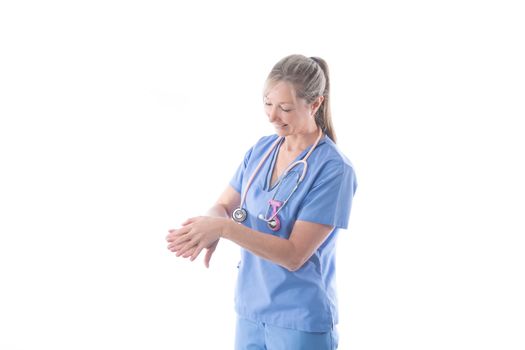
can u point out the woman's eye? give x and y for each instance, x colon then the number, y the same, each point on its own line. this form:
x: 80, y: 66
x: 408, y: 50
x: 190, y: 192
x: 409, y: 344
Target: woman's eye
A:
x: 282, y: 108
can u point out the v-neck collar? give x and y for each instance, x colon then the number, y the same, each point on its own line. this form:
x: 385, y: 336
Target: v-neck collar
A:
x: 273, y: 159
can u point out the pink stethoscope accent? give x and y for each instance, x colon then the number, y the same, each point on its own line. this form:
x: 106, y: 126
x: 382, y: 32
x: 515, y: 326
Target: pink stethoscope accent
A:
x: 240, y: 214
x: 275, y: 223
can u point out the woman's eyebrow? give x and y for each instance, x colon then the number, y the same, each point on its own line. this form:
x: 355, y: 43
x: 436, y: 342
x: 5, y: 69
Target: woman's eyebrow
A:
x: 280, y: 103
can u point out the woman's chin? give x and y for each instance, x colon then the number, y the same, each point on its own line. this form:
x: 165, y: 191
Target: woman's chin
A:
x: 281, y: 130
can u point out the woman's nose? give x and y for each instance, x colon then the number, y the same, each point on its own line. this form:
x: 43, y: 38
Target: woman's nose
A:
x: 272, y: 114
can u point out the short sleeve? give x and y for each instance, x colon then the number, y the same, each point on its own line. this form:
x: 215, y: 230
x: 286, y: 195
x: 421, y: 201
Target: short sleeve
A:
x: 329, y: 200
x: 236, y: 181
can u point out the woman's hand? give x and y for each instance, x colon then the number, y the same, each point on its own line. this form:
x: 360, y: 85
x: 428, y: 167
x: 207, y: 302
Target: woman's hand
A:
x: 209, y: 253
x: 196, y: 234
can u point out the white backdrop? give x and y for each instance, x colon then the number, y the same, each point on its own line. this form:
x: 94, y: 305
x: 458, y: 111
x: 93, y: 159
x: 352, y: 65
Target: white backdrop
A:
x: 120, y: 119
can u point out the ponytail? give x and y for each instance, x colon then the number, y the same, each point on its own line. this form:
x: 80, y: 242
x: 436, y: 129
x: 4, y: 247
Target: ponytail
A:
x: 323, y: 116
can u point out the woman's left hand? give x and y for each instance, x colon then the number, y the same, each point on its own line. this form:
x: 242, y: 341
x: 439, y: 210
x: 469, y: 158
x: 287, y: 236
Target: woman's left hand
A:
x: 195, y: 234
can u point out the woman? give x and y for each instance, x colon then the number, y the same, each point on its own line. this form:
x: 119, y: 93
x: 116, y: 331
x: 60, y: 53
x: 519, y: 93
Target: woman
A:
x: 288, y: 198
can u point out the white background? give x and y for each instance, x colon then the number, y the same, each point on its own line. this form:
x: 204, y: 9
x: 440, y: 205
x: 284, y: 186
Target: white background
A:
x: 120, y: 119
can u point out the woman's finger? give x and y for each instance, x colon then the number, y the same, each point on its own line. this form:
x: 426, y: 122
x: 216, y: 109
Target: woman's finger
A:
x: 171, y: 236
x: 207, y: 258
x: 196, y: 253
x: 174, y: 247
x: 177, y: 233
x: 189, y: 221
x: 183, y: 230
x: 185, y: 248
x: 188, y: 253
x: 181, y: 239
x: 208, y: 255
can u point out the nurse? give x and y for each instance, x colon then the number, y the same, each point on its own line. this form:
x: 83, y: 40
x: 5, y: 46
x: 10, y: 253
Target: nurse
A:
x: 284, y: 207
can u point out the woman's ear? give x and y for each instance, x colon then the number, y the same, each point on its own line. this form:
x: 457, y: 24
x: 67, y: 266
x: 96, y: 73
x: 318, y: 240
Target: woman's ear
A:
x: 316, y: 104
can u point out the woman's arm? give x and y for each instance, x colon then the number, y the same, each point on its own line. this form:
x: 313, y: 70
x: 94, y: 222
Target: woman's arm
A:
x: 197, y: 233
x: 226, y: 204
x: 290, y: 253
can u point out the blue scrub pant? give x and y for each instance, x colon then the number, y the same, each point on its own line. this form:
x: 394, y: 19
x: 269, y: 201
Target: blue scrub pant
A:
x: 261, y: 336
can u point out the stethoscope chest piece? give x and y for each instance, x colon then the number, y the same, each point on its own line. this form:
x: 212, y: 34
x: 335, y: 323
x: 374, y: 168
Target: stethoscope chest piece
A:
x: 274, y: 224
x: 239, y: 215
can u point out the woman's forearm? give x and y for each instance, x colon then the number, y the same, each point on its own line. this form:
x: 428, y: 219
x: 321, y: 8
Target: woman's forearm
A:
x: 218, y: 211
x: 273, y: 248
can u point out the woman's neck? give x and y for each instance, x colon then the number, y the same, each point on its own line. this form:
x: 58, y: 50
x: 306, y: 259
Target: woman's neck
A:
x: 299, y: 142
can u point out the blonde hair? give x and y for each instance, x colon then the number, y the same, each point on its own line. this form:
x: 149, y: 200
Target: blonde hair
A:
x: 309, y: 77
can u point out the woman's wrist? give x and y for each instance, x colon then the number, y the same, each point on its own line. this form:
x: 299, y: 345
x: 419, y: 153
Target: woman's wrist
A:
x: 225, y: 227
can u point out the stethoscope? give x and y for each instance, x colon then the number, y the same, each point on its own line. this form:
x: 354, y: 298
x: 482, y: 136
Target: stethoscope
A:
x: 274, y: 223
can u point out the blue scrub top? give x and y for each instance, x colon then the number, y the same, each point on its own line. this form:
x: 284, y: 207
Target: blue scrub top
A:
x: 266, y: 292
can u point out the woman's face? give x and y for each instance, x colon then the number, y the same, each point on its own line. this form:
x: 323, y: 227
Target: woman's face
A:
x: 288, y: 114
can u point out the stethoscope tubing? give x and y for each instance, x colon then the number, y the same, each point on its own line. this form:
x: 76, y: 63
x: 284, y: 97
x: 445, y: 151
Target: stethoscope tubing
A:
x: 240, y: 214
x: 293, y: 165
